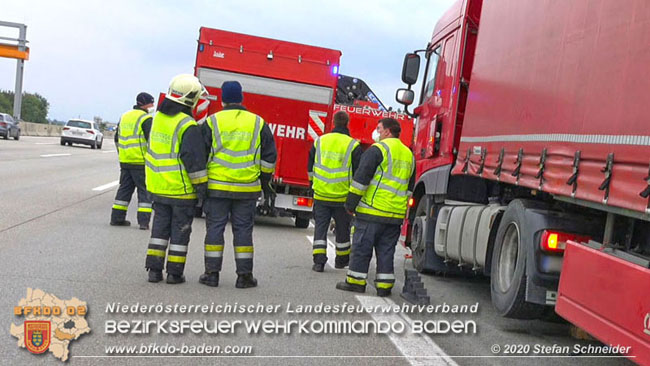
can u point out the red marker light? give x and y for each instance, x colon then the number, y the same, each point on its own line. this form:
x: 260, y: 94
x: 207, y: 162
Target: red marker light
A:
x: 555, y: 241
x: 411, y: 202
x: 303, y: 201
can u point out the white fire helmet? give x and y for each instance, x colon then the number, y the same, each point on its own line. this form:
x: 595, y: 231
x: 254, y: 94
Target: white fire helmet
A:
x: 186, y: 89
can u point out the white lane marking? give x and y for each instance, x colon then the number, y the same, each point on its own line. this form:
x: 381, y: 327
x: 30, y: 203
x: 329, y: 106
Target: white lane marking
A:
x: 45, y: 143
x: 106, y: 186
x: 311, y: 224
x: 52, y: 155
x: 108, y: 152
x: 331, y: 251
x: 409, y: 344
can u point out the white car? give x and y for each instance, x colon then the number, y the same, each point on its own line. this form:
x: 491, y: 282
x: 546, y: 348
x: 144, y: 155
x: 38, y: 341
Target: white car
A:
x: 77, y: 131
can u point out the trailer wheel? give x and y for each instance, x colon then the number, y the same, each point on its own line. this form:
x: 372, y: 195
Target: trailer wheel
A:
x: 508, y: 275
x: 302, y: 222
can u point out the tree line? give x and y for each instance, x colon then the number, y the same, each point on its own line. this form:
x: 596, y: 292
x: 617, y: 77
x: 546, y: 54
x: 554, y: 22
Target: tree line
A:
x: 34, y: 107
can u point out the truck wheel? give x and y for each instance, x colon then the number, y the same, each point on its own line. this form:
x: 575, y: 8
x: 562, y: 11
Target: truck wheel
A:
x: 302, y: 222
x: 508, y: 275
x: 418, y: 243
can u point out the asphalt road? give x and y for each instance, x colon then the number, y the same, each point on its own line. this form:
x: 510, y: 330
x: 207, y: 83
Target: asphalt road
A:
x: 54, y: 236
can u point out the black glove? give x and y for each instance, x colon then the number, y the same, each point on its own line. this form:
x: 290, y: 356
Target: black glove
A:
x: 269, y: 193
x: 351, y: 203
x: 201, y: 191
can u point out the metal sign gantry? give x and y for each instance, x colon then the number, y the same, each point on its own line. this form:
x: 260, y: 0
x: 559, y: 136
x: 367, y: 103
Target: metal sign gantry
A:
x: 18, y: 50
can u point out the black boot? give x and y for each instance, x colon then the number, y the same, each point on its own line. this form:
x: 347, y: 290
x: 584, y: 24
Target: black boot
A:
x: 345, y: 286
x: 341, y: 261
x: 245, y: 281
x: 383, y: 292
x: 318, y: 267
x: 175, y: 279
x: 121, y: 223
x: 144, y: 226
x: 155, y: 275
x: 210, y: 279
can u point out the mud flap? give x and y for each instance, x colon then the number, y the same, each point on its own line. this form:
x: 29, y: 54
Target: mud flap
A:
x: 539, y: 294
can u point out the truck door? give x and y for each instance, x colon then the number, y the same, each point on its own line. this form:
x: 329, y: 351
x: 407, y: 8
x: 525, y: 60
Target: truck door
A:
x: 436, y: 99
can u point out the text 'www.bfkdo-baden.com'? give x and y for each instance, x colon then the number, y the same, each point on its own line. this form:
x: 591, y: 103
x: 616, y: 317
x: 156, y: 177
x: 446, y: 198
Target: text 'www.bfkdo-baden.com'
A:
x: 150, y: 349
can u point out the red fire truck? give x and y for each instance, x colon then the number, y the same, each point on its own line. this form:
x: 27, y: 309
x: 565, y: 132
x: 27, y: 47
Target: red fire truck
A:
x: 532, y: 147
x: 295, y: 88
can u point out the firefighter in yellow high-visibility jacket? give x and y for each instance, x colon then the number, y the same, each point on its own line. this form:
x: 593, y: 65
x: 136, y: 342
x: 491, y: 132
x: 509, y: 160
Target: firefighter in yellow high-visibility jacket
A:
x: 331, y: 165
x: 378, y: 196
x: 131, y: 141
x: 241, y: 160
x: 176, y: 176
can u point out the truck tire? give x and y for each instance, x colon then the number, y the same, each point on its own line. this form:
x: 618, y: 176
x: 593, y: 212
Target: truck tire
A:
x: 425, y: 259
x: 508, y: 275
x: 302, y: 222
x: 418, y: 244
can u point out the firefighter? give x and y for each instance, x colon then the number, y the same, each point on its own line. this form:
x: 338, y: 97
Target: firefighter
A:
x: 131, y: 141
x: 332, y: 161
x: 176, y: 176
x: 378, y: 195
x: 241, y: 160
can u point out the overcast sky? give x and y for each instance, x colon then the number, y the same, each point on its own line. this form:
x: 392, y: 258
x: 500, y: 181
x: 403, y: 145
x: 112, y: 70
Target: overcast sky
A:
x: 90, y: 58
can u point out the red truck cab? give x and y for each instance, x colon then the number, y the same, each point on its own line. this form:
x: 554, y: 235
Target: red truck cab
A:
x: 443, y: 98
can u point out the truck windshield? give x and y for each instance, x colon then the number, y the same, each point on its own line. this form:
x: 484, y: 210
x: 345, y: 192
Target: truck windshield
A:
x: 432, y: 67
x: 349, y: 89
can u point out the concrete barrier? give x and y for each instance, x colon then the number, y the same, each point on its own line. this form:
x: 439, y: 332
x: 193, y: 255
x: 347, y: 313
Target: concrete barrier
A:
x: 44, y: 129
x: 39, y: 129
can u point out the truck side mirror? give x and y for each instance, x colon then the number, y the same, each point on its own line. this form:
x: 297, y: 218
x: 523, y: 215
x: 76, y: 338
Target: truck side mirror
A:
x: 405, y: 96
x: 411, y: 68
